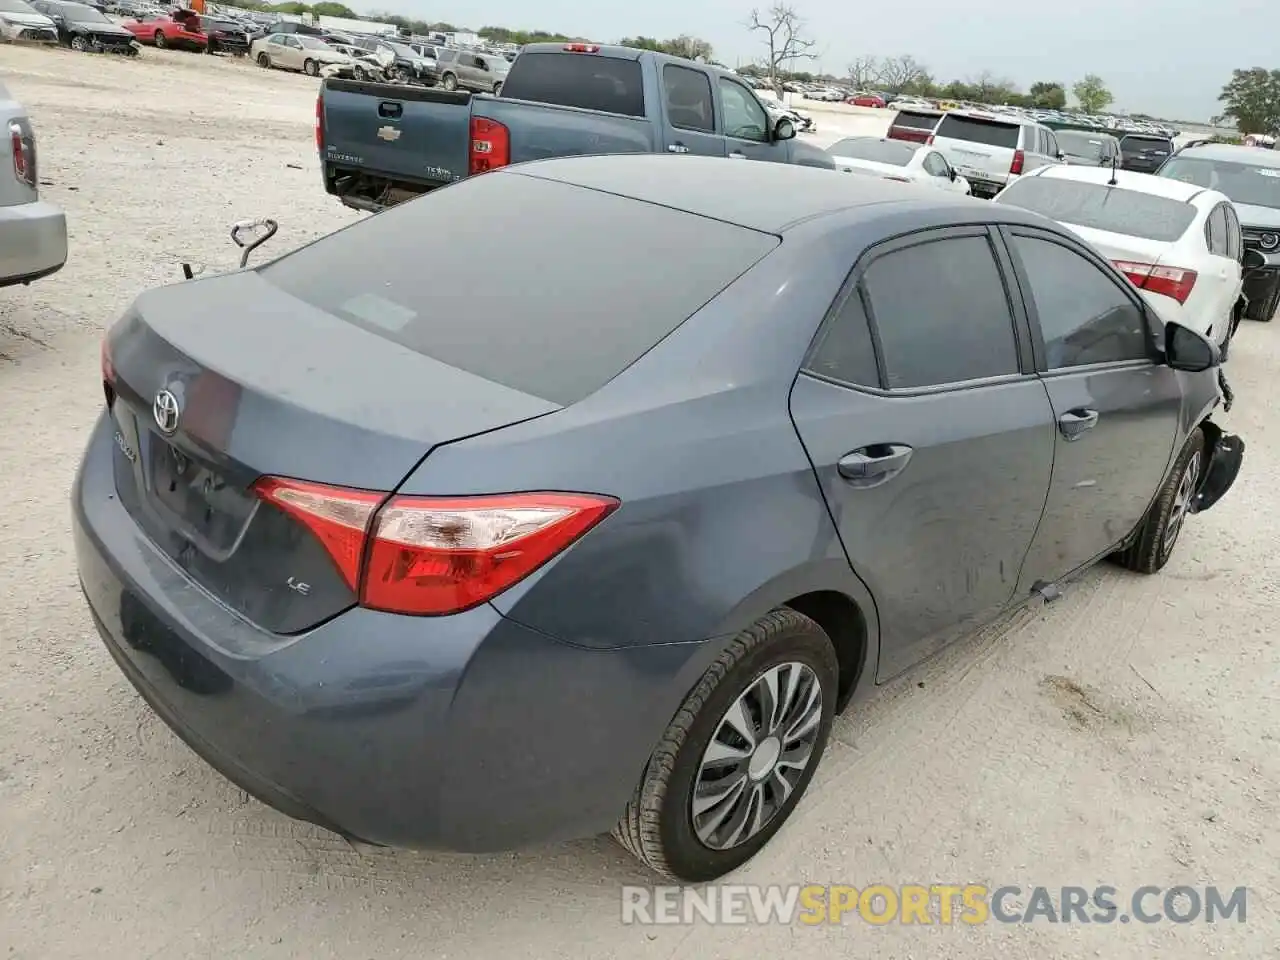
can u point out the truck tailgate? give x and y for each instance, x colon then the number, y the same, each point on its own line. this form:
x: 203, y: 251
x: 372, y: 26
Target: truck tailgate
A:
x: 413, y: 134
x: 539, y: 131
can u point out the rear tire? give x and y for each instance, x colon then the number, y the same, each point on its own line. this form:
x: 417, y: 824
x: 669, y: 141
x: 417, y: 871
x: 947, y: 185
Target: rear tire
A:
x: 161, y: 42
x: 497, y: 89
x: 449, y: 82
x: 357, y: 73
x: 310, y: 68
x: 79, y: 43
x: 701, y: 752
x: 264, y: 61
x: 1159, y: 531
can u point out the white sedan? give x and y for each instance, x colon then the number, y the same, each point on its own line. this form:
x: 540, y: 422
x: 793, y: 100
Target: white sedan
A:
x: 897, y: 160
x: 1178, y: 243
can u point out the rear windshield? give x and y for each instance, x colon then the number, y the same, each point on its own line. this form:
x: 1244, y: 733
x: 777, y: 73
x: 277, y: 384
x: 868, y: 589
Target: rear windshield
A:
x: 555, y: 308
x: 1142, y: 144
x: 871, y: 148
x: 992, y: 133
x: 583, y: 80
x: 919, y: 121
x: 1099, y: 207
x: 1245, y: 183
x: 1079, y: 144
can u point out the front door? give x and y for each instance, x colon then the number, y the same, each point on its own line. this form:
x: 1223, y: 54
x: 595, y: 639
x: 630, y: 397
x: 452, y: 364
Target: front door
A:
x: 1117, y: 409
x: 931, y: 437
x: 691, y: 115
x: 748, y: 130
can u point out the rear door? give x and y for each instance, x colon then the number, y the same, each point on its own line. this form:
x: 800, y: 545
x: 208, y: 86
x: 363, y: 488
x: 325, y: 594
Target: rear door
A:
x: 1117, y: 409
x: 931, y: 436
x: 691, y: 115
x: 747, y: 129
x: 1222, y: 285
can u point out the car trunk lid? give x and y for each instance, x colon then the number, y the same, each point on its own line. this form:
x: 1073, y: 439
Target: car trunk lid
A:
x: 217, y: 383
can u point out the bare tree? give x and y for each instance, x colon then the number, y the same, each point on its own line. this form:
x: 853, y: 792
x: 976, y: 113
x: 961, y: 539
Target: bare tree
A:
x: 988, y: 88
x: 865, y: 72
x: 898, y: 73
x: 783, y: 30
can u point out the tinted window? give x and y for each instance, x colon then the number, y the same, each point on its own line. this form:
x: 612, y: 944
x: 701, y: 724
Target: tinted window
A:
x: 993, y: 134
x: 567, y: 310
x: 1099, y: 207
x: 1084, y: 315
x: 871, y: 148
x: 1216, y: 232
x: 1080, y: 144
x: 1050, y: 143
x: 744, y: 117
x: 79, y: 13
x: 448, y: 56
x: 941, y: 313
x: 581, y: 80
x: 1244, y: 183
x: 844, y: 350
x: 1235, y: 240
x: 915, y: 120
x: 1155, y: 146
x: 688, y: 98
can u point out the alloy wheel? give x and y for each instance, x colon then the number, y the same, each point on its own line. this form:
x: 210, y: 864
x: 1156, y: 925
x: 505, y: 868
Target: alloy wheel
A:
x: 1181, y: 504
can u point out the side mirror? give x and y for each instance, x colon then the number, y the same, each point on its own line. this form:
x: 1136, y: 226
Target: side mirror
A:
x: 1185, y: 349
x: 1253, y: 259
x: 952, y: 174
x: 784, y: 129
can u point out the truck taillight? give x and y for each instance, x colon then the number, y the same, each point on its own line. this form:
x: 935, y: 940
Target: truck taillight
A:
x: 1019, y: 158
x: 432, y: 556
x: 320, y: 122
x: 22, y: 143
x: 490, y: 146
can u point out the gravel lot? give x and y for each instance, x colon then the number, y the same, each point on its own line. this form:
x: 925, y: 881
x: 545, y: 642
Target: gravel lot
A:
x: 1127, y: 735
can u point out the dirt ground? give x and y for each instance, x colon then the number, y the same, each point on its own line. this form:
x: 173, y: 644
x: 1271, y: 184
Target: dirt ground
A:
x: 1126, y: 735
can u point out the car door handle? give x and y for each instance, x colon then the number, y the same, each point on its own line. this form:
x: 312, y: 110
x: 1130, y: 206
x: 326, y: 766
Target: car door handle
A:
x: 677, y: 148
x: 873, y: 465
x: 737, y: 155
x: 1073, y: 423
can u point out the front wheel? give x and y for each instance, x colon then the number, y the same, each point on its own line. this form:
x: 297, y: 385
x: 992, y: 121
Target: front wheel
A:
x: 450, y: 82
x: 310, y: 68
x: 264, y: 61
x: 497, y: 89
x: 358, y: 72
x: 79, y: 43
x: 739, y: 754
x: 1160, y: 529
x: 161, y: 42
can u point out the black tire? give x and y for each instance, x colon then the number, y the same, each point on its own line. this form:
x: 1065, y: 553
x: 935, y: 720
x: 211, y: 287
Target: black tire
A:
x: 657, y: 826
x: 449, y: 82
x: 264, y: 61
x: 161, y: 42
x: 1263, y: 308
x: 79, y: 43
x: 358, y: 73
x: 310, y: 68
x: 1152, y: 547
x: 497, y: 89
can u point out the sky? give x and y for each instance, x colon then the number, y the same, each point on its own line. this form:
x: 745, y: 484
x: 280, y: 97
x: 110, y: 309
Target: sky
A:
x: 1169, y: 58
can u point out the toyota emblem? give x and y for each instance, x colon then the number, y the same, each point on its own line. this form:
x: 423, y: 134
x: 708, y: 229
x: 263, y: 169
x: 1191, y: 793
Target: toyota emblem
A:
x: 165, y: 409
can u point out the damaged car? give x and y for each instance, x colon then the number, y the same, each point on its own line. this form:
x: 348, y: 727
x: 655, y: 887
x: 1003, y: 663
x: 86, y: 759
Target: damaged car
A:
x: 83, y: 28
x: 22, y: 23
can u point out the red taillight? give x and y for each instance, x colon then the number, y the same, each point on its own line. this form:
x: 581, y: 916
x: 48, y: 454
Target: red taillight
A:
x: 1173, y: 282
x: 928, y: 141
x: 490, y: 145
x: 22, y: 144
x: 108, y: 368
x: 320, y: 122
x: 581, y: 48
x: 435, y: 555
x: 1019, y: 158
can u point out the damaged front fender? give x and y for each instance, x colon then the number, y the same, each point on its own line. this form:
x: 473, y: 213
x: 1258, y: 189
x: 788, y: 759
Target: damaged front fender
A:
x: 1225, y: 457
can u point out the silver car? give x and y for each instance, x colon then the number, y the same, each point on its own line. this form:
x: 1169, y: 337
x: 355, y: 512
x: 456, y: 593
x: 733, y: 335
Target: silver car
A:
x: 33, y: 233
x: 481, y: 72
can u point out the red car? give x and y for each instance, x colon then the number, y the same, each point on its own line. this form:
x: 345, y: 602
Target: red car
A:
x: 180, y: 30
x: 866, y: 100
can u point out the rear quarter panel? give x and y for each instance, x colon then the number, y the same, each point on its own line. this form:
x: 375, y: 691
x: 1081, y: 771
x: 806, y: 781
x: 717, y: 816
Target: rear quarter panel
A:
x: 540, y: 131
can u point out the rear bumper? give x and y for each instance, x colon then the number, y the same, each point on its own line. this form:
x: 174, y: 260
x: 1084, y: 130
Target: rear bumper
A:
x: 34, y: 242
x: 468, y: 733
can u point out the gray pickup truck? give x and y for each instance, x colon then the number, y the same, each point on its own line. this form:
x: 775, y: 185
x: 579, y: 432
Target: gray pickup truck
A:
x: 382, y: 144
x: 33, y: 233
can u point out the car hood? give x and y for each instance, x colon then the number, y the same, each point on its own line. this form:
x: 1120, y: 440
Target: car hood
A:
x: 27, y: 19
x: 104, y: 29
x: 1252, y: 216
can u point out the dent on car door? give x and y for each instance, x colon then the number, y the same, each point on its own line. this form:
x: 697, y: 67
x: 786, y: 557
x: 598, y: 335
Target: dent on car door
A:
x: 1117, y: 408
x: 931, y: 436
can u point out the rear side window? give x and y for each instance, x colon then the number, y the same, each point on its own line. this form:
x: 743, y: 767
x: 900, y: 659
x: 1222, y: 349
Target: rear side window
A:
x: 555, y: 313
x: 1099, y: 207
x: 1216, y: 231
x: 941, y: 313
x: 916, y: 120
x: 689, y: 102
x: 975, y: 130
x: 583, y: 80
x: 1157, y: 145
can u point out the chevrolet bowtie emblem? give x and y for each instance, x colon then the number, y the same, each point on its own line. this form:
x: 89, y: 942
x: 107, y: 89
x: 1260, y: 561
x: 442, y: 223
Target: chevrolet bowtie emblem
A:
x: 388, y: 133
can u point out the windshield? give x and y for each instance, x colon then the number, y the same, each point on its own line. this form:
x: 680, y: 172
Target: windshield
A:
x: 311, y: 43
x: 974, y: 130
x: 1244, y: 183
x: 870, y: 148
x: 1079, y: 144
x: 1099, y: 207
x: 79, y: 13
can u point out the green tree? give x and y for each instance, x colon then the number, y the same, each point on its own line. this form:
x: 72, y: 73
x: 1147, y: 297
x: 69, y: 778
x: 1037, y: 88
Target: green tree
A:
x: 1048, y: 96
x: 328, y: 8
x: 1252, y: 100
x: 691, y: 48
x: 1092, y: 94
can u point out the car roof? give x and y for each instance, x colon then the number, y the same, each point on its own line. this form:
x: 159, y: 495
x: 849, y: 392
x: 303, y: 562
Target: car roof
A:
x: 1090, y: 134
x: 1125, y: 179
x: 769, y: 197
x: 1256, y: 156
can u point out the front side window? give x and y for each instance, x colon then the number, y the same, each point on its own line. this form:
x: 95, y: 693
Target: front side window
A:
x: 941, y: 313
x: 1084, y: 316
x: 744, y: 118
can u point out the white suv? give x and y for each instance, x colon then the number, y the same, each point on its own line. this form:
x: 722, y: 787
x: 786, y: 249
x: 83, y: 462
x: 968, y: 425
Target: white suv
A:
x: 991, y: 150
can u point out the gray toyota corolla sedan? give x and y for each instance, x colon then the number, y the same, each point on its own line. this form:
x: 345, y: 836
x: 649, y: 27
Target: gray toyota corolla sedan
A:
x: 590, y: 518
